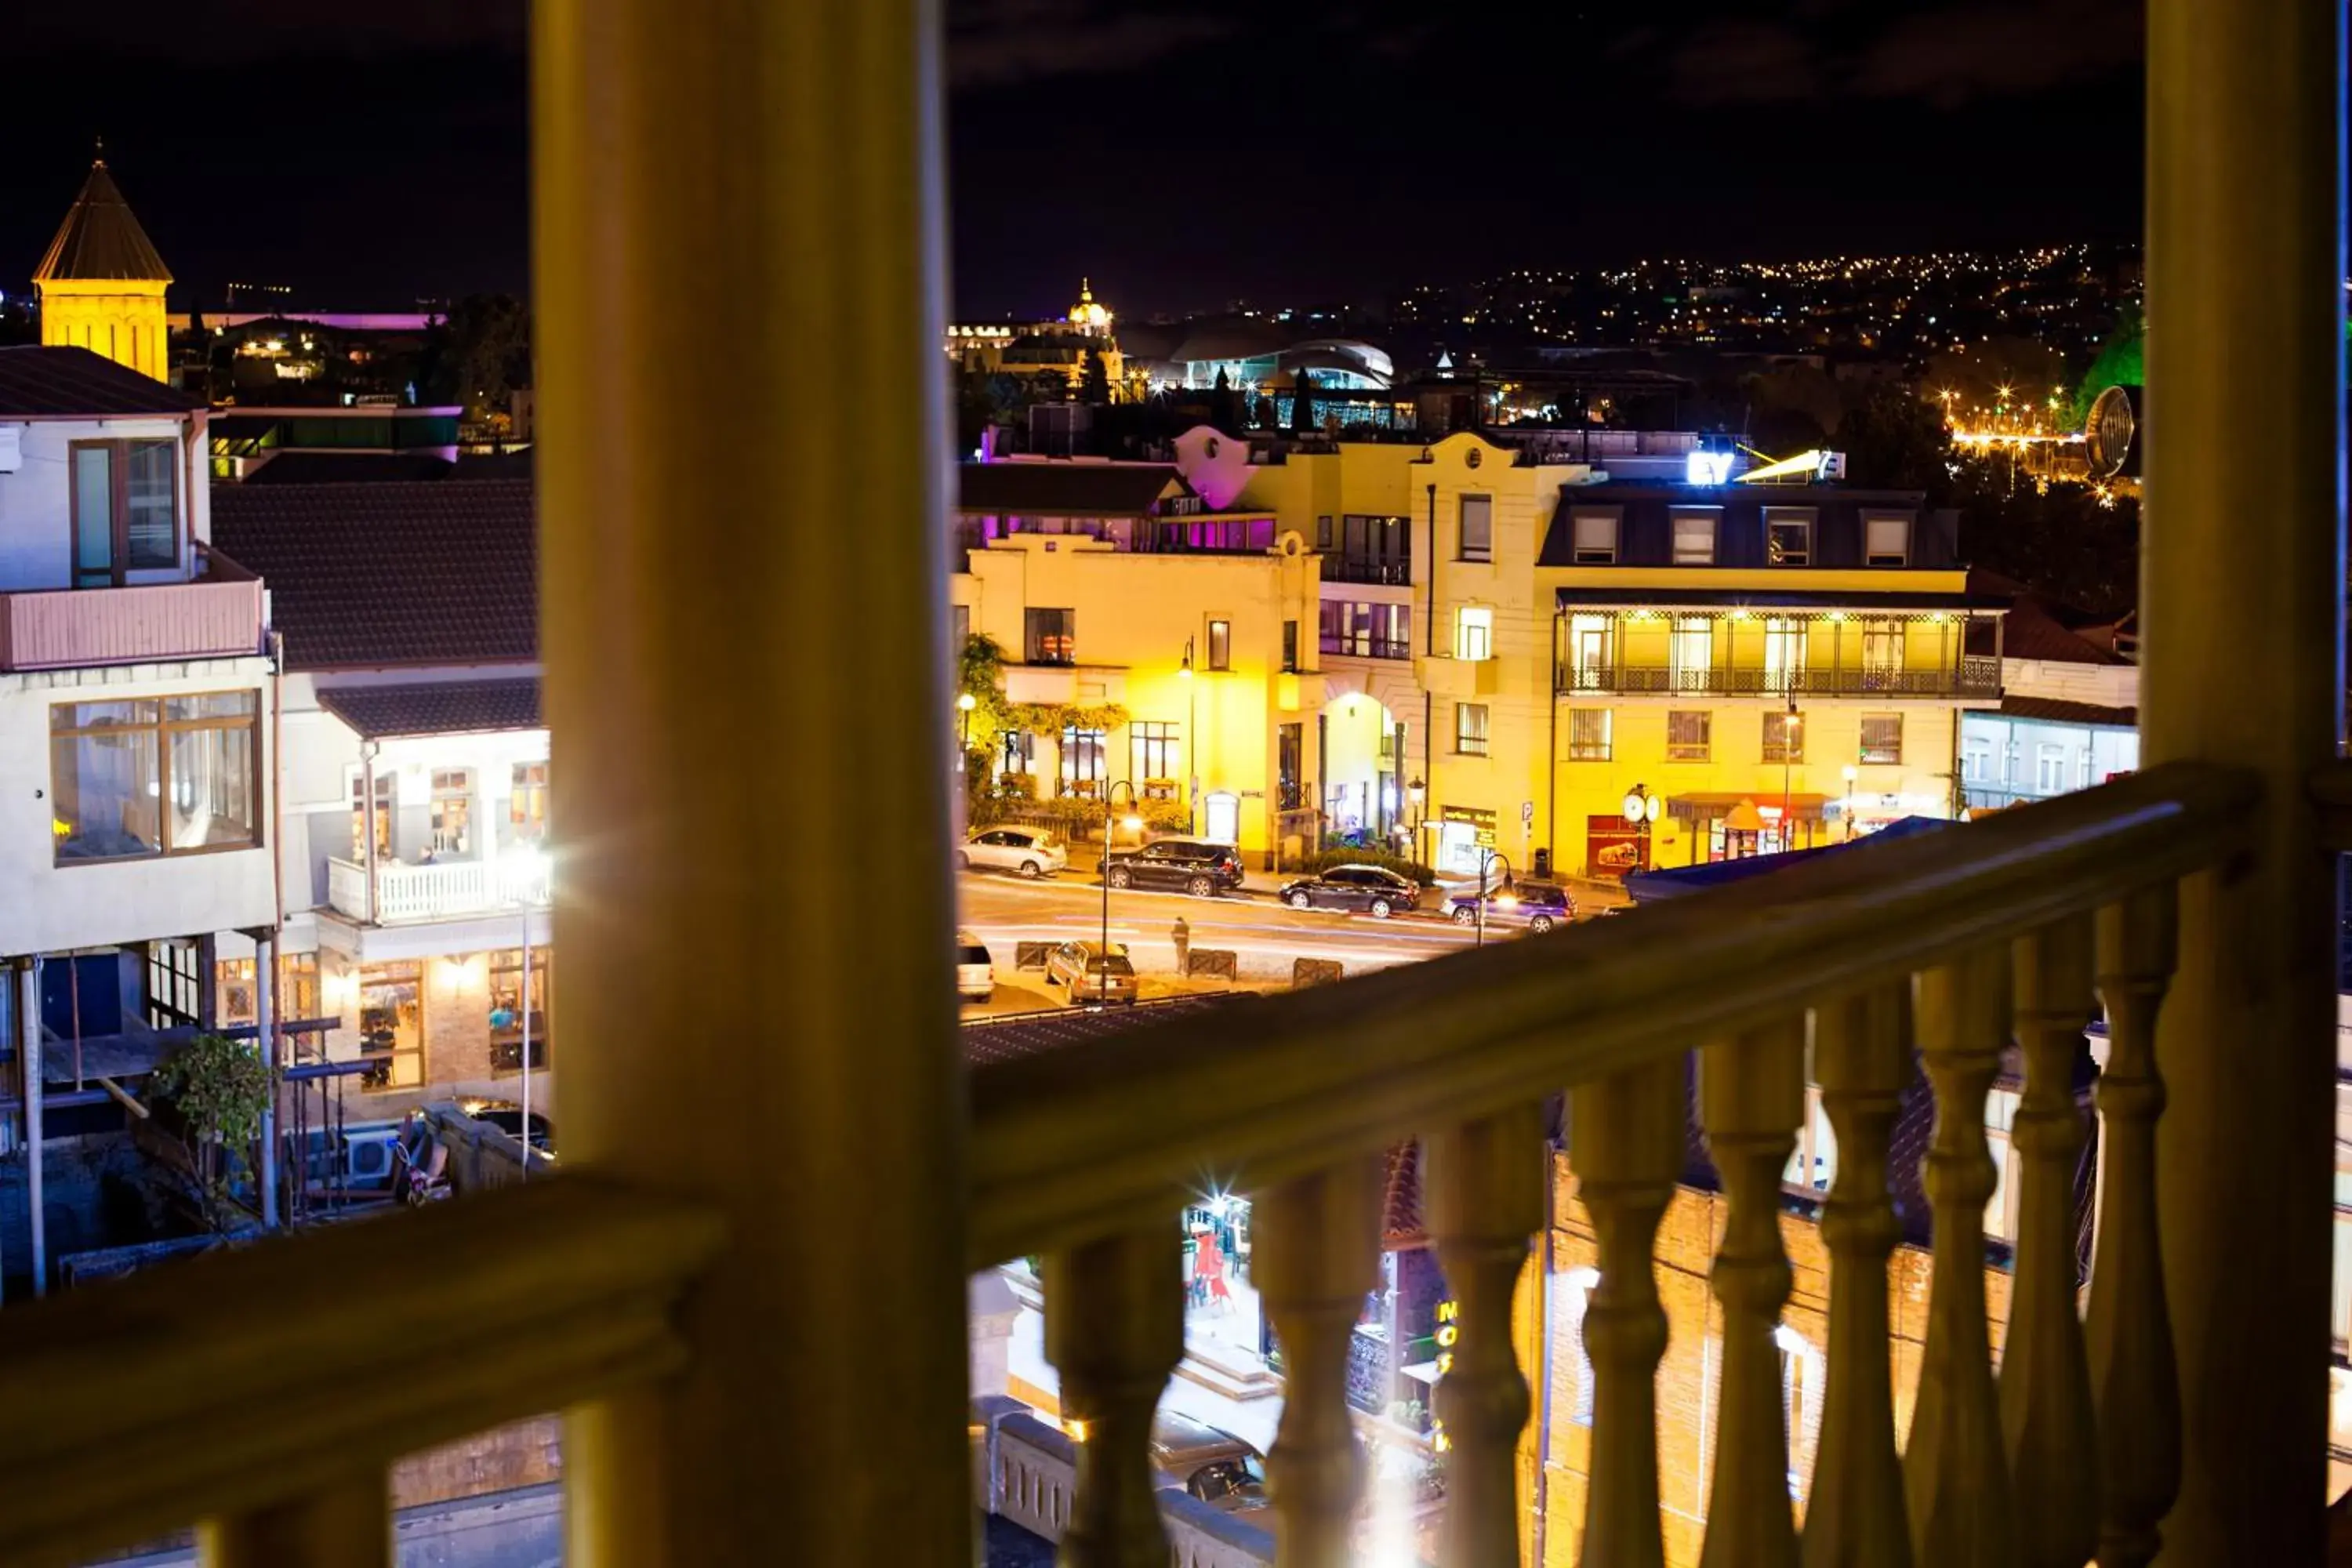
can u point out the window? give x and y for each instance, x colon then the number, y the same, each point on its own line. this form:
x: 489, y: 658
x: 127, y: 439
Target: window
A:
x: 1887, y: 541
x: 1882, y: 653
x: 959, y: 628
x: 1589, y: 657
x: 527, y: 808
x: 1693, y: 652
x: 178, y: 776
x: 359, y: 816
x: 1595, y: 537
x: 1051, y: 636
x: 1477, y: 528
x: 298, y: 989
x: 1152, y: 753
x: 1787, y: 536
x: 1976, y: 761
x: 514, y: 1006
x: 1290, y: 754
x: 1695, y: 536
x: 1588, y: 734
x: 174, y: 987
x: 2049, y: 768
x: 1882, y: 737
x: 1784, y: 737
x: 125, y: 508
x: 392, y: 1024
x: 1289, y: 647
x: 1474, y: 633
x: 1082, y: 759
x: 1323, y: 533
x: 1221, y: 645
x: 453, y: 811
x: 1020, y: 752
x: 1784, y: 654
x: 1688, y: 736
x: 1367, y: 631
x: 1470, y: 728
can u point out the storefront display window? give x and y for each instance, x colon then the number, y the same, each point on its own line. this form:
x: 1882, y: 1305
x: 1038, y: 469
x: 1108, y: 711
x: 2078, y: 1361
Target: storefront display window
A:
x: 517, y: 1008
x: 1221, y: 1304
x: 392, y: 1024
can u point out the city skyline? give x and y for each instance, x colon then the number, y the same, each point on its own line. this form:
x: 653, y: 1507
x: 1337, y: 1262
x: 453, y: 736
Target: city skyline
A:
x: 1338, y: 158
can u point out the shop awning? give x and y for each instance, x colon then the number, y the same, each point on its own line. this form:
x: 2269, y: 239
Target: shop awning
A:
x: 1708, y: 807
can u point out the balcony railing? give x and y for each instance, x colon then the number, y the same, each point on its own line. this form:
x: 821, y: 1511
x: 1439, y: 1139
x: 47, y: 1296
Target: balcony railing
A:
x: 1338, y: 568
x: 442, y: 890
x: 216, y: 616
x: 1367, y: 647
x: 1975, y: 675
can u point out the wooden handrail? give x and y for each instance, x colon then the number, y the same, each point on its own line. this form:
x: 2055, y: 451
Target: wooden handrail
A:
x: 245, y: 1379
x: 1073, y: 1145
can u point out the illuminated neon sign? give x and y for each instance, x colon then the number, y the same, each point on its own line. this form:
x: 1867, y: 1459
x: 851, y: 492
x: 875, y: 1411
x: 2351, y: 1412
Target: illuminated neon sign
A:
x: 1707, y: 468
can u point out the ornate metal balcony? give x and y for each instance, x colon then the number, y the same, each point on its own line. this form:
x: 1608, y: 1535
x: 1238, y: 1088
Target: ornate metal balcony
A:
x: 1975, y: 676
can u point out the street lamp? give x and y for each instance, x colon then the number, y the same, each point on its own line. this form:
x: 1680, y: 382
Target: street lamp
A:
x: 1192, y: 741
x: 1852, y: 773
x: 1416, y: 793
x: 1507, y: 895
x: 1642, y: 810
x: 965, y: 703
x: 1133, y: 824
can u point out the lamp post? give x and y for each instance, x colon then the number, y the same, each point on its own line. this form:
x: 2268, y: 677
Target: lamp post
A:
x: 1852, y: 773
x: 1414, y: 794
x: 1507, y: 892
x: 1192, y: 741
x: 1132, y: 822
x: 1642, y: 810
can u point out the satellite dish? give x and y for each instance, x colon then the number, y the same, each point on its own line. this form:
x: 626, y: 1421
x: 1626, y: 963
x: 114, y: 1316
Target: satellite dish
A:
x: 2111, y: 434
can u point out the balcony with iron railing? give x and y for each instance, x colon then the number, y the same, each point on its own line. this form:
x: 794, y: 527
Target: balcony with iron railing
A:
x: 1972, y: 675
x: 217, y: 614
x: 735, y: 1393
x: 1379, y: 571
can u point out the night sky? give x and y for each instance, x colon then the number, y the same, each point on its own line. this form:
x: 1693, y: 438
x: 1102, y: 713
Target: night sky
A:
x: 1184, y: 155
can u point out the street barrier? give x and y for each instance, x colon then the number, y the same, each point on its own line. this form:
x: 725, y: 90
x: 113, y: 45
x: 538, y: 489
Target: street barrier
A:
x: 1213, y: 961
x: 1305, y: 972
x: 1031, y: 954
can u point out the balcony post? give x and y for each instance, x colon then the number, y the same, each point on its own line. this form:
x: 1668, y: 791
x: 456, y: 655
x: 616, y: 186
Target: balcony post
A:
x: 367, y: 822
x: 736, y: 559
x: 2241, y: 569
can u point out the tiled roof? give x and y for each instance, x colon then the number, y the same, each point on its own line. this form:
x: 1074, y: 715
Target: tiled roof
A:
x: 59, y: 383
x: 2056, y: 710
x: 435, y: 707
x: 2034, y: 630
x: 1063, y: 488
x: 365, y: 576
x: 100, y: 239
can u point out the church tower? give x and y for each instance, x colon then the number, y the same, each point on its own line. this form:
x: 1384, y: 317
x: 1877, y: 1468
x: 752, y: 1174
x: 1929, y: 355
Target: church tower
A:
x: 102, y: 283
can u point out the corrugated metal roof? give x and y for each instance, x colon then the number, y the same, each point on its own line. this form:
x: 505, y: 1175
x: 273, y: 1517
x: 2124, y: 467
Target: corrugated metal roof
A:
x: 101, y: 240
x: 59, y: 383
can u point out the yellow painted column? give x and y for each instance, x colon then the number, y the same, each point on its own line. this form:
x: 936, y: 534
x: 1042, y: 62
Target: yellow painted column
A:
x: 744, y: 625
x: 2242, y: 579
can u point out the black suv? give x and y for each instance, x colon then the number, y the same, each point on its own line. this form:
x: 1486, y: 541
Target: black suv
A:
x: 1194, y: 866
x: 1373, y: 889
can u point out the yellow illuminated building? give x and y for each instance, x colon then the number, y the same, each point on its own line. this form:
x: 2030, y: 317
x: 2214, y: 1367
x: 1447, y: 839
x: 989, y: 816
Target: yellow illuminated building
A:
x: 101, y: 284
x: 1154, y: 643
x: 1777, y: 663
x: 1041, y: 348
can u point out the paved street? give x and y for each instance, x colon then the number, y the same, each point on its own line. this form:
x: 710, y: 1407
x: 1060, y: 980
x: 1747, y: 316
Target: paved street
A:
x: 1003, y: 910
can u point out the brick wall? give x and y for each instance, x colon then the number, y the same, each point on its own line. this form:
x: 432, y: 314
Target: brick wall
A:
x: 1689, y: 1387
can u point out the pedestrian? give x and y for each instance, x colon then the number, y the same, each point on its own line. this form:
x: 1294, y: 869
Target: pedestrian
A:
x: 1182, y: 935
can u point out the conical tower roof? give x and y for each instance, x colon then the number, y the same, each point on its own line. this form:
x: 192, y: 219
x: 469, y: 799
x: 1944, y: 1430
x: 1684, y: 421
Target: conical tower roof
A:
x: 100, y: 239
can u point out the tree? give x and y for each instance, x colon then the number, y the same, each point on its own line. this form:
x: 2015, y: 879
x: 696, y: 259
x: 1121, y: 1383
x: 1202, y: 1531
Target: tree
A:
x: 211, y: 1094
x: 1093, y: 380
x: 1897, y: 441
x: 2117, y: 364
x: 1302, y: 403
x: 479, y: 353
x: 1224, y: 405
x: 2069, y: 541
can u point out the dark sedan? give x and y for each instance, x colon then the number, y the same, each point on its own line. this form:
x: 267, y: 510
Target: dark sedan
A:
x: 1374, y: 890
x: 1537, y: 906
x: 1192, y: 866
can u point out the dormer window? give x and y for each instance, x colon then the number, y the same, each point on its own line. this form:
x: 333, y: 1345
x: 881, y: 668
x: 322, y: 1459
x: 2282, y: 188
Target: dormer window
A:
x: 1695, y: 536
x: 1595, y: 537
x: 125, y: 510
x: 1886, y: 538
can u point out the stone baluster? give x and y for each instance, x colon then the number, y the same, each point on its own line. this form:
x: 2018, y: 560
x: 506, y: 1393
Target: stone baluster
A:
x: 2135, y: 1385
x: 2045, y: 1381
x: 1751, y: 1101
x: 1485, y: 1200
x: 1954, y: 1472
x: 1626, y: 1144
x: 1115, y: 1330
x: 1317, y: 1255
x: 347, y: 1524
x: 1854, y: 1514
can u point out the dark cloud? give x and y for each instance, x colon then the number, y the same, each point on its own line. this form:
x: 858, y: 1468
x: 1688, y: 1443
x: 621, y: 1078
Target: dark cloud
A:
x: 1953, y: 56
x: 1744, y: 62
x: 266, y: 30
x: 1003, y: 43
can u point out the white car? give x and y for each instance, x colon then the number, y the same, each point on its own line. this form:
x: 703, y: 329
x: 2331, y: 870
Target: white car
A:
x: 1025, y: 851
x: 975, y: 973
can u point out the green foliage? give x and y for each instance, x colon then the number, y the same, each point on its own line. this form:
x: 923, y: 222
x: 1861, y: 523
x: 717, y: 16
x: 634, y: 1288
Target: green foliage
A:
x: 2120, y: 362
x: 1093, y: 380
x: 214, y: 1091
x: 1895, y: 440
x: 2064, y: 542
x: 1302, y: 403
x: 479, y: 353
x: 1341, y: 855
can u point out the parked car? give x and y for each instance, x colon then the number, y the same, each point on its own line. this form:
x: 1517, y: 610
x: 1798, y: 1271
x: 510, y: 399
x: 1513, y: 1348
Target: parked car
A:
x: 1027, y: 851
x: 1090, y: 974
x: 1535, y: 906
x: 1215, y: 1466
x: 975, y: 971
x: 1373, y: 889
x: 1193, y: 865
